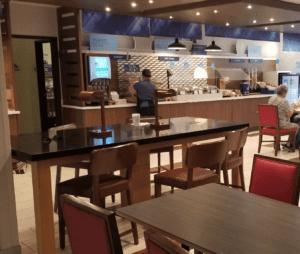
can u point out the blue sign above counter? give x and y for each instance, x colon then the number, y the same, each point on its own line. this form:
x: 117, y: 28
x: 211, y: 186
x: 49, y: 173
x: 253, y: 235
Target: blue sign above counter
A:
x: 198, y: 49
x: 121, y: 57
x: 237, y: 60
x: 103, y: 42
x: 168, y: 58
x: 256, y: 61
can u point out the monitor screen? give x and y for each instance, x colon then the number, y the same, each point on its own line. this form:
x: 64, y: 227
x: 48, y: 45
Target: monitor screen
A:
x: 99, y: 67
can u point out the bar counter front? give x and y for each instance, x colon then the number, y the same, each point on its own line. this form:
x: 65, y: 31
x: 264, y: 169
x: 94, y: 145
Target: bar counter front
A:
x: 76, y: 145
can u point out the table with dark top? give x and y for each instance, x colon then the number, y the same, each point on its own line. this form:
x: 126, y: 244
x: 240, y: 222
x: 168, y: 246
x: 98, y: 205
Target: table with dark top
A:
x: 218, y: 219
x: 76, y: 145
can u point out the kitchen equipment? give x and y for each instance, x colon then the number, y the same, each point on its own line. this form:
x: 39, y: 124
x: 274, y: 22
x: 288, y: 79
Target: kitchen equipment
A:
x: 244, y: 87
x: 262, y: 84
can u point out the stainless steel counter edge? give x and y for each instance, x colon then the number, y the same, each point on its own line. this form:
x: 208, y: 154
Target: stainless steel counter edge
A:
x: 128, y: 105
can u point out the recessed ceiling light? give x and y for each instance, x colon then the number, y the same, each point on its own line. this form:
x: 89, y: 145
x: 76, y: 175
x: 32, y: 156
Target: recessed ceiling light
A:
x: 292, y: 26
x: 151, y: 1
x: 254, y: 21
x: 133, y: 4
x: 266, y: 28
x: 227, y: 24
x: 171, y: 17
x: 271, y: 19
x: 249, y: 7
x: 215, y: 11
x: 107, y: 9
x: 198, y: 13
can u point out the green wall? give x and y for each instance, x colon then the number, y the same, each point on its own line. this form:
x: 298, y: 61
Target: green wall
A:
x: 26, y: 85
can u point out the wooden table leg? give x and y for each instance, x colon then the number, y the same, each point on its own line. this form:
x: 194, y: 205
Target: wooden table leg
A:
x: 140, y: 181
x: 43, y: 207
x: 184, y: 149
x: 236, y: 178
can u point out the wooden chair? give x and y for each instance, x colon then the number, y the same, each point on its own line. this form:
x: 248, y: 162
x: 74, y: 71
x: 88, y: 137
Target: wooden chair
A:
x: 158, y: 151
x: 100, y: 183
x: 275, y: 178
x: 91, y: 229
x: 234, y: 157
x: 269, y: 126
x: 158, y: 244
x: 199, y: 157
x: 76, y: 165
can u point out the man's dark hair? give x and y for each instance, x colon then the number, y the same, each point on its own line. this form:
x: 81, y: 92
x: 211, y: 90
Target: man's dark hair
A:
x: 146, y: 73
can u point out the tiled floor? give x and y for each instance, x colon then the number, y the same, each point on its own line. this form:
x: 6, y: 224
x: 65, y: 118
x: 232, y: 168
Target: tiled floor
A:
x: 25, y: 209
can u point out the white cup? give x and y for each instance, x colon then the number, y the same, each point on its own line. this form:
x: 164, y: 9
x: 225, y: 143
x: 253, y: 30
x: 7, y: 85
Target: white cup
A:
x: 136, y: 119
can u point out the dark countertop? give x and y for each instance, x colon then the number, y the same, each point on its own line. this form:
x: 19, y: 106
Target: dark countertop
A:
x: 30, y: 147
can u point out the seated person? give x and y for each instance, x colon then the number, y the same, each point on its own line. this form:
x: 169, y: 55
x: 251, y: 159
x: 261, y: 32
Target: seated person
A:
x: 285, y: 111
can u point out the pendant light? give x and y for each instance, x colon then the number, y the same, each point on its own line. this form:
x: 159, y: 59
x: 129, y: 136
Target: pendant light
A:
x: 213, y: 47
x: 176, y: 45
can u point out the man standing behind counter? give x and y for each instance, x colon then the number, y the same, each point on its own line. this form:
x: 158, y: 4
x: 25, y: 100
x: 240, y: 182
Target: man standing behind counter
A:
x: 144, y: 91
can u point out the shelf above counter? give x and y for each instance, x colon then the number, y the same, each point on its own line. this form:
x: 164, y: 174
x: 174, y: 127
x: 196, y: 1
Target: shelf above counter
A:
x: 233, y: 56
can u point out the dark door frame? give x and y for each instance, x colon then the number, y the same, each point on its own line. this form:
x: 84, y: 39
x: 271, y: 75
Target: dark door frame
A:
x: 56, y: 78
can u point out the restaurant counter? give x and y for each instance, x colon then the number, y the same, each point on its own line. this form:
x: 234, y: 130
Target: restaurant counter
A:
x: 239, y: 109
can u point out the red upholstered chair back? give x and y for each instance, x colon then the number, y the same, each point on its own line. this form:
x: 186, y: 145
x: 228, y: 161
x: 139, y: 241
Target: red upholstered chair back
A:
x: 91, y: 229
x: 268, y: 115
x: 275, y: 178
x: 158, y: 244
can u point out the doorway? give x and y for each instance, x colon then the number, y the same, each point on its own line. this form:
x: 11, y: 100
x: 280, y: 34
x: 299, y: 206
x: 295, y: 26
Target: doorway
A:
x: 37, y: 83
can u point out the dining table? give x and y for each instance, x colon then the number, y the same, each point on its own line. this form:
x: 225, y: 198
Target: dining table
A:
x: 75, y: 145
x: 217, y: 219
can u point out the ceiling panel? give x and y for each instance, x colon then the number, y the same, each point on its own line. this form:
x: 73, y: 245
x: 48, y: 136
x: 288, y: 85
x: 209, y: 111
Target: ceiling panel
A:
x: 234, y: 12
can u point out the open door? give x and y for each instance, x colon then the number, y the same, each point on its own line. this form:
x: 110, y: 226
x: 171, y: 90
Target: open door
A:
x: 47, y: 68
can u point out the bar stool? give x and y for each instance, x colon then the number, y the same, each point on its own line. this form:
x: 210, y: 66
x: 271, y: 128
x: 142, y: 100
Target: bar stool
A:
x: 158, y: 151
x: 234, y: 157
x: 101, y: 183
x: 198, y: 158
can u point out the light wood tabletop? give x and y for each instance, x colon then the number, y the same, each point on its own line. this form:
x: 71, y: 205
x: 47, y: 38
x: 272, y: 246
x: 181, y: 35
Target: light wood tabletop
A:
x: 217, y: 219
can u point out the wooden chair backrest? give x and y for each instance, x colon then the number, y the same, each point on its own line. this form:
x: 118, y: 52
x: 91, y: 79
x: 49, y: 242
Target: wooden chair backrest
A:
x: 268, y: 116
x: 91, y: 229
x: 206, y: 155
x: 275, y: 178
x: 158, y: 244
x: 111, y: 159
x: 236, y: 140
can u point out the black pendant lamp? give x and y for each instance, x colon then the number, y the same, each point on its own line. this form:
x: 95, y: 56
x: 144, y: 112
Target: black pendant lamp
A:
x: 213, y: 47
x: 176, y: 45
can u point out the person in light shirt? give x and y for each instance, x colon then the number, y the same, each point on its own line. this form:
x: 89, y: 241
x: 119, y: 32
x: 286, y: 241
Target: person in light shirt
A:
x: 285, y: 112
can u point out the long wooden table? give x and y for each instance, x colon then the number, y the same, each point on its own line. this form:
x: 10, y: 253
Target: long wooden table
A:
x: 218, y: 219
x: 76, y: 145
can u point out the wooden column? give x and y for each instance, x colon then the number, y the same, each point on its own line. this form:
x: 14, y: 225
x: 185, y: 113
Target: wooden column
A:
x: 8, y: 58
x: 70, y: 54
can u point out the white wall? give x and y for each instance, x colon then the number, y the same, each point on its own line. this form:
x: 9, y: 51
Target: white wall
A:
x: 9, y: 241
x: 33, y: 19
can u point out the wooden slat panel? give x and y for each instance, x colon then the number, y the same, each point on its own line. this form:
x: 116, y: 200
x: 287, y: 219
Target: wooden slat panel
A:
x: 67, y: 33
x: 70, y: 44
x: 68, y: 21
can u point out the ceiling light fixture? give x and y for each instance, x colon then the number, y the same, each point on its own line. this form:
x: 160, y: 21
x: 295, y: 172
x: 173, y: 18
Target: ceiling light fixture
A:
x: 292, y: 26
x: 198, y: 13
x: 133, y: 4
x: 215, y: 11
x: 266, y: 28
x: 171, y: 17
x: 107, y: 9
x: 213, y: 47
x: 176, y: 45
x: 249, y: 7
x: 227, y: 24
x: 254, y: 21
x: 271, y: 20
x: 151, y: 2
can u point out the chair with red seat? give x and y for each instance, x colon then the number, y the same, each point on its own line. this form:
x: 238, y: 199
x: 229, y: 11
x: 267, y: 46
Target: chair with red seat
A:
x: 269, y: 126
x: 275, y: 178
x: 199, y: 157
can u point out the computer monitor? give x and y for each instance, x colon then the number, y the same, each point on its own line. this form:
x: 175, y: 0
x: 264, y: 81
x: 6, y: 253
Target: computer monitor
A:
x: 99, y: 67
